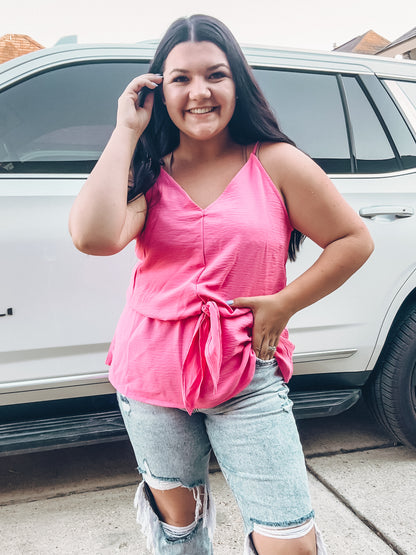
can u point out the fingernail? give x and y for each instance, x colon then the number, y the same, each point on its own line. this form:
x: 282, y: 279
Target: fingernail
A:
x: 230, y: 303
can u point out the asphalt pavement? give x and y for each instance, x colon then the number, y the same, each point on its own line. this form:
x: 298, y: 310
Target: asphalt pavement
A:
x: 80, y: 500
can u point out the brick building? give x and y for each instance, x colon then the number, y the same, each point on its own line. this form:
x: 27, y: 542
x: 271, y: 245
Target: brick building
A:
x: 12, y: 46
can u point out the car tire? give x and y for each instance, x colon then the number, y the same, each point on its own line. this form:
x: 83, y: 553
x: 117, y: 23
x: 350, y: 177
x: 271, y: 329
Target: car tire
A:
x: 391, y: 391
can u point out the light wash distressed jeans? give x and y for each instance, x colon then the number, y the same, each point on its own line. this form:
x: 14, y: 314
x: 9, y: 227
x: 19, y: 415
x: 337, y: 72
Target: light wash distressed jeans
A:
x: 256, y: 443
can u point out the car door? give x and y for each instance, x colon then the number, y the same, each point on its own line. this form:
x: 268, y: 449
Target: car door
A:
x: 59, y: 307
x: 351, y: 127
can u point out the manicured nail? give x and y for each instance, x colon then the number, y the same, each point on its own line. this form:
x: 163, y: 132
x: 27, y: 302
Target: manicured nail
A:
x: 230, y: 303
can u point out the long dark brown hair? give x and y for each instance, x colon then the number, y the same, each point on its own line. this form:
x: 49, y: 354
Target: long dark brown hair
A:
x: 253, y: 120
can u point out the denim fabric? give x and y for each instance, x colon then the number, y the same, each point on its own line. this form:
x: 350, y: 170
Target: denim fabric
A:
x: 256, y: 443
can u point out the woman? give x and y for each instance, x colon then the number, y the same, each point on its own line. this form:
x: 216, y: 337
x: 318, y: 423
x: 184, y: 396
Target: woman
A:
x: 216, y: 194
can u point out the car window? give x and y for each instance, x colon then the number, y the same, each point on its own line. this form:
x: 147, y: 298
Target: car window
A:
x: 405, y: 94
x: 409, y: 88
x: 309, y: 110
x: 372, y: 148
x: 60, y: 120
x: 395, y: 123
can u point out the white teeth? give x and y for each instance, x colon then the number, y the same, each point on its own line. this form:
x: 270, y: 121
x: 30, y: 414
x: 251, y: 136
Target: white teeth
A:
x: 201, y: 110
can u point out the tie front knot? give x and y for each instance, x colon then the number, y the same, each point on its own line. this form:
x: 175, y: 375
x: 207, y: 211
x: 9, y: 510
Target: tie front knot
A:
x: 204, y: 356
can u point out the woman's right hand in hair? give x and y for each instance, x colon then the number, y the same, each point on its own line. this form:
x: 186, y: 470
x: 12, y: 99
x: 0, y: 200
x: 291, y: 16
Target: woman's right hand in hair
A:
x: 101, y: 222
x: 129, y: 113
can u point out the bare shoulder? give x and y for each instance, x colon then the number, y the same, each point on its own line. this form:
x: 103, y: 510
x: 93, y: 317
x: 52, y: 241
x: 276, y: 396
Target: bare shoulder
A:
x: 284, y: 163
x: 315, y: 206
x: 270, y: 151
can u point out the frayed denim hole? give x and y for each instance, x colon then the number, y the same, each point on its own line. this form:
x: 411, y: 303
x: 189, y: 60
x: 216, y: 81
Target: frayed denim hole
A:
x: 124, y: 404
x: 283, y: 394
x: 288, y: 405
x: 320, y: 545
x: 157, y: 482
x: 146, y: 516
x: 285, y: 532
x: 185, y: 539
x: 204, y: 505
x: 164, y: 482
x: 148, y: 513
x: 248, y: 546
x: 284, y: 523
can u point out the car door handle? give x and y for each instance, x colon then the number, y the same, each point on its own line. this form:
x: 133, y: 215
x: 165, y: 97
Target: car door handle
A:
x: 396, y: 211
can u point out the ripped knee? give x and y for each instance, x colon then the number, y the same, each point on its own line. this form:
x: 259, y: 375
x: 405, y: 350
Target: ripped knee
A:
x: 179, y: 505
x: 159, y: 503
x: 173, y: 502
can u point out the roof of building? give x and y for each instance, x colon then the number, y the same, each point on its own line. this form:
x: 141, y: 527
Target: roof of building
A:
x: 407, y: 36
x: 368, y: 43
x: 14, y: 45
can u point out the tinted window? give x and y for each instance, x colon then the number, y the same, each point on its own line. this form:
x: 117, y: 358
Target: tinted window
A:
x: 309, y: 110
x: 409, y: 88
x: 373, y: 151
x: 61, y: 120
x: 404, y: 93
x: 395, y: 124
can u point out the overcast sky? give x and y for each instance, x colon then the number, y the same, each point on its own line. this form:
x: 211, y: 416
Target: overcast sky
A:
x: 312, y: 24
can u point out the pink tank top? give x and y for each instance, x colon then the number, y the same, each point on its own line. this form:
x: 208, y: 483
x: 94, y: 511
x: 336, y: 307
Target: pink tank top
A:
x: 177, y: 342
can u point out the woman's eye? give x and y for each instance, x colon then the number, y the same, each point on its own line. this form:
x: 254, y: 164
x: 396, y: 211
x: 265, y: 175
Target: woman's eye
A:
x: 217, y: 75
x: 180, y: 79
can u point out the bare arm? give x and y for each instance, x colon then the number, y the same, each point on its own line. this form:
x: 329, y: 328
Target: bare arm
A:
x: 318, y: 210
x: 101, y: 222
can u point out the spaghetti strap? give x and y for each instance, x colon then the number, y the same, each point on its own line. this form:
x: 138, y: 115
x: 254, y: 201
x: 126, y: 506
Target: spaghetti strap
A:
x: 256, y: 149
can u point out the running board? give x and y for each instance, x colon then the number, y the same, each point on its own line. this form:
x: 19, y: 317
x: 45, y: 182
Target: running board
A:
x: 65, y: 431
x: 102, y: 427
x: 314, y: 404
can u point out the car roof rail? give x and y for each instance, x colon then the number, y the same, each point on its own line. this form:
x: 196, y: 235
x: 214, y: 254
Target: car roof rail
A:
x: 67, y: 39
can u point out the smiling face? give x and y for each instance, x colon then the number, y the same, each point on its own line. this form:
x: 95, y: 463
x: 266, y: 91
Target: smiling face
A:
x: 199, y: 90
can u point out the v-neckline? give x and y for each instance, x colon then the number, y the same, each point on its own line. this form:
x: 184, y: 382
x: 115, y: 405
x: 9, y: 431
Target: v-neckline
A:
x: 219, y: 196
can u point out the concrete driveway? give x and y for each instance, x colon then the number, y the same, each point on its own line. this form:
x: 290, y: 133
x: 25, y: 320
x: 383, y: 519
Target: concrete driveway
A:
x: 79, y: 500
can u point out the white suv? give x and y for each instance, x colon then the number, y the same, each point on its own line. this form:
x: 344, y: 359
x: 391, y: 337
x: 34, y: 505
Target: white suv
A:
x: 355, y: 115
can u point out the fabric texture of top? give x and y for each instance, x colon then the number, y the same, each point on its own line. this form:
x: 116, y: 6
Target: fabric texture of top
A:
x: 177, y: 342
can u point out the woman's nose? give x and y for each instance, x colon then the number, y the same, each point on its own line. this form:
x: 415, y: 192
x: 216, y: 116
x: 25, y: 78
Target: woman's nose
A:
x: 199, y: 89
